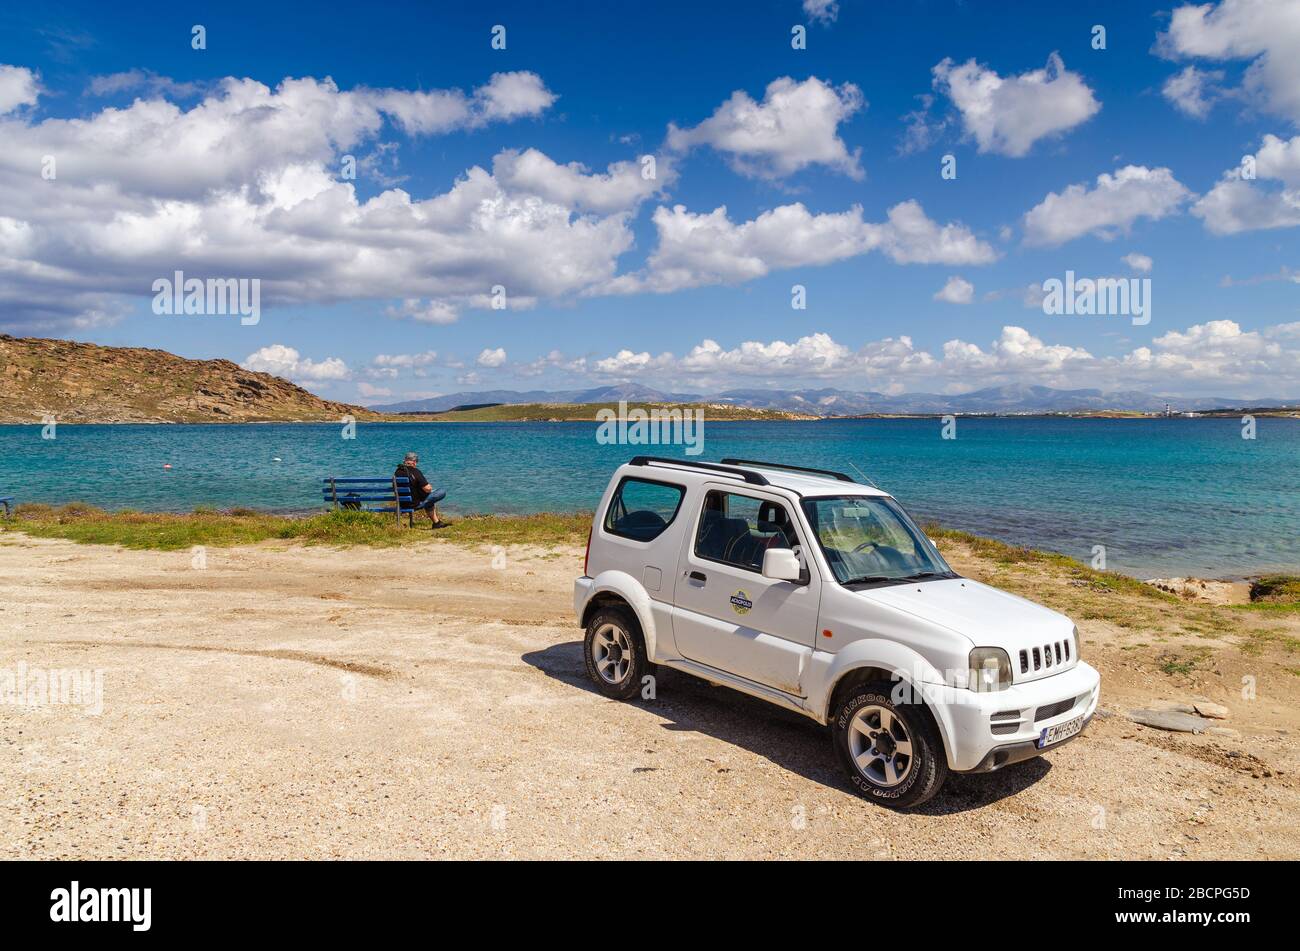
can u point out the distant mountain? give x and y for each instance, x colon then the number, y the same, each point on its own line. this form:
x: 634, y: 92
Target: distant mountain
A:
x: 601, y: 394
x: 1009, y: 399
x: 440, y: 404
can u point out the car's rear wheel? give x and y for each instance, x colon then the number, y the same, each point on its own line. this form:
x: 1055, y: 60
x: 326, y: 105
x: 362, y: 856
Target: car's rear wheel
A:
x: 891, y: 750
x: 615, y: 653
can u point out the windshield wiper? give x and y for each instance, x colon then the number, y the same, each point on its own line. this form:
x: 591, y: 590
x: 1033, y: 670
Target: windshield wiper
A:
x: 869, y: 578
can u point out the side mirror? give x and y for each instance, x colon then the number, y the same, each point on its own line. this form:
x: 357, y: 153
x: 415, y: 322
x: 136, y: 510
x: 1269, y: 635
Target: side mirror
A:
x: 781, y: 564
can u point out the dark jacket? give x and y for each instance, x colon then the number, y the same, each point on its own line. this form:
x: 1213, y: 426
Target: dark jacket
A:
x: 418, y: 482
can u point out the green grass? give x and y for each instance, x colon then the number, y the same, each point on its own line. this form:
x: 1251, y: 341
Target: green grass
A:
x: 1273, y: 594
x: 1258, y: 641
x: 1007, y: 555
x: 171, y: 531
x: 1276, y: 589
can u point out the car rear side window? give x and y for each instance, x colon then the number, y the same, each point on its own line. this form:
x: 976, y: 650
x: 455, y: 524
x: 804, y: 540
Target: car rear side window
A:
x: 641, y: 509
x: 739, y: 529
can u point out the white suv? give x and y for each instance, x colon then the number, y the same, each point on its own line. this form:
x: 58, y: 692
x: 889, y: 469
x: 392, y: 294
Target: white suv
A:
x: 807, y: 589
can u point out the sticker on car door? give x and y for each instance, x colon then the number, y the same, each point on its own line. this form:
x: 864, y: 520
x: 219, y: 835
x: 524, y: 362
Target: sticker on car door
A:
x: 740, y: 602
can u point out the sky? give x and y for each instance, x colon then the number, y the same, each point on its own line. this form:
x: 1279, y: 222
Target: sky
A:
x: 443, y: 197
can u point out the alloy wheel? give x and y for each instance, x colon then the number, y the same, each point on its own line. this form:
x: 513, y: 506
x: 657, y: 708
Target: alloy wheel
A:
x: 880, y: 745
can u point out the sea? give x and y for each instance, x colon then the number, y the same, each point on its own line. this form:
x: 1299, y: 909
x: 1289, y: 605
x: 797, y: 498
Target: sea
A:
x: 1156, y: 497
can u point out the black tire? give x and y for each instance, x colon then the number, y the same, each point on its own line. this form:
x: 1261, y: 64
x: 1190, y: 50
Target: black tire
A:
x: 928, y: 767
x: 624, y: 621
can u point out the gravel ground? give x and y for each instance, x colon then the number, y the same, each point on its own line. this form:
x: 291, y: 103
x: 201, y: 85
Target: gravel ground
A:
x: 319, y: 703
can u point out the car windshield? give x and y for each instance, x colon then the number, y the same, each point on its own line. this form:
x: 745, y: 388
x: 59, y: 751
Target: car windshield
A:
x: 870, y: 539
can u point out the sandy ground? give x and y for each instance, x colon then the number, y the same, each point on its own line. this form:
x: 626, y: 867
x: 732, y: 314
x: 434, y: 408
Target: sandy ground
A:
x: 315, y: 703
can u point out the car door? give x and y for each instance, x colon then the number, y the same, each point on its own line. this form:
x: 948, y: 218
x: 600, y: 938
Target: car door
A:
x: 726, y: 614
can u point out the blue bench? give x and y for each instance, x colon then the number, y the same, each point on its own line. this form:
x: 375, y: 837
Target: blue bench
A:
x: 362, y: 494
x: 7, y: 501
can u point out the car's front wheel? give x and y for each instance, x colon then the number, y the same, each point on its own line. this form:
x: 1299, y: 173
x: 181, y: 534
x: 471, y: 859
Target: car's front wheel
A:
x: 891, y: 750
x: 615, y: 653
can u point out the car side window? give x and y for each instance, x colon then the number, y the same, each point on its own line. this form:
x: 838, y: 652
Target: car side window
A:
x: 738, y: 529
x: 642, y: 509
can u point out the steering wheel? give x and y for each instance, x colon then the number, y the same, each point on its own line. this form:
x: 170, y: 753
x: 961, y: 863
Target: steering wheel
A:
x: 866, y: 545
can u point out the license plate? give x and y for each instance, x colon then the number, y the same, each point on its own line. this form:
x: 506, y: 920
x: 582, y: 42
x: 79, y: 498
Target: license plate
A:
x: 1062, y: 731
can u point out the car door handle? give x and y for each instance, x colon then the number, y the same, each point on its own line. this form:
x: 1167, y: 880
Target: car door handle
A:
x: 697, y: 576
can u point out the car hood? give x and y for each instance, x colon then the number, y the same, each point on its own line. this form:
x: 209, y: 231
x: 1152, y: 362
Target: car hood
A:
x: 985, y: 615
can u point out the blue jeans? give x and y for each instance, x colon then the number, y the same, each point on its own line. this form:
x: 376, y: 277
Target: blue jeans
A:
x: 437, y: 496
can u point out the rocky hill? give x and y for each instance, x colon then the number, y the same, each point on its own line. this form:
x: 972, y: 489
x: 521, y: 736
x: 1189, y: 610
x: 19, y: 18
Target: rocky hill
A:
x: 87, y: 383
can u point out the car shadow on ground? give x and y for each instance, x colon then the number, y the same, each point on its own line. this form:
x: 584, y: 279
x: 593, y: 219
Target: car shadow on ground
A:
x: 784, y: 738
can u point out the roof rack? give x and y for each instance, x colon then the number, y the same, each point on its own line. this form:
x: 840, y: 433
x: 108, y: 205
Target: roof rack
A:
x: 777, y: 465
x: 753, y: 478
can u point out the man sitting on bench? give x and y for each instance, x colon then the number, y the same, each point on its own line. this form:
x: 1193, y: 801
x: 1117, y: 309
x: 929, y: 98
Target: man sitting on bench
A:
x: 424, y: 497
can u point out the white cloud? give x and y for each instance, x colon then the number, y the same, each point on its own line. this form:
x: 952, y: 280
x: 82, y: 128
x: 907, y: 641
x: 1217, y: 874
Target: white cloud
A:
x: 697, y: 249
x: 795, y: 126
x: 368, y: 390
x: 402, y: 361
x: 1264, y: 32
x: 815, y: 355
x: 1193, y: 91
x: 822, y: 11
x: 18, y: 87
x: 1279, y: 159
x: 512, y: 95
x: 1007, y: 115
x: 1215, y: 358
x: 425, y: 312
x: 626, y: 363
x: 506, y: 96
x: 621, y: 188
x: 819, y: 356
x: 1237, y: 204
x: 553, y: 360
x: 1138, y: 262
x: 1107, y: 210
x: 154, y: 149
x: 140, y: 80
x: 1233, y: 206
x: 921, y: 130
x: 286, y: 362
x: 1221, y: 352
x: 491, y: 358
x: 956, y: 291
x: 246, y: 183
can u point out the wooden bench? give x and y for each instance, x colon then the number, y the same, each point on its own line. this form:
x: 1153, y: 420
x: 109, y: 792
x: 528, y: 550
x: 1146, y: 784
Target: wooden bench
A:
x: 7, y: 501
x: 361, y: 494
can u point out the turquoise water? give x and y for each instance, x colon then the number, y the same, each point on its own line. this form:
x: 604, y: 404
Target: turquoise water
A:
x: 1165, y: 496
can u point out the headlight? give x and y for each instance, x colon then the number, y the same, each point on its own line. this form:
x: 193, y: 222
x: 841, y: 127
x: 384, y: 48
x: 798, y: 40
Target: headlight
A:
x: 1078, y: 644
x: 990, y: 669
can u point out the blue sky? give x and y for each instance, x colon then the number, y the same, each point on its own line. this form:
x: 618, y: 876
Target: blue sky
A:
x: 378, y: 287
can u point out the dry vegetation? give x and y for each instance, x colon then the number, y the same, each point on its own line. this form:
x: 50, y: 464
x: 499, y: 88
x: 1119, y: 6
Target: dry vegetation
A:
x: 87, y: 383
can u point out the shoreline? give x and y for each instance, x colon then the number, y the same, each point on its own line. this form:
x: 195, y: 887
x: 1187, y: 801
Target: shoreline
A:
x: 222, y: 527
x: 769, y: 416
x: 757, y: 415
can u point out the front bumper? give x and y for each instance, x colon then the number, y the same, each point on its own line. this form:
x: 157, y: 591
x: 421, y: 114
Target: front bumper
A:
x: 1011, y: 753
x: 986, y: 731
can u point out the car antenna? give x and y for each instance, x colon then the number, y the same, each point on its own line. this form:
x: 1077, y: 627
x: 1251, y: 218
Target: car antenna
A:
x: 864, y: 477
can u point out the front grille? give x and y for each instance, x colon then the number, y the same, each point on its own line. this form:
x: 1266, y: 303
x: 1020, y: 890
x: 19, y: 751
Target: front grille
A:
x: 1045, y: 657
x: 1055, y: 709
